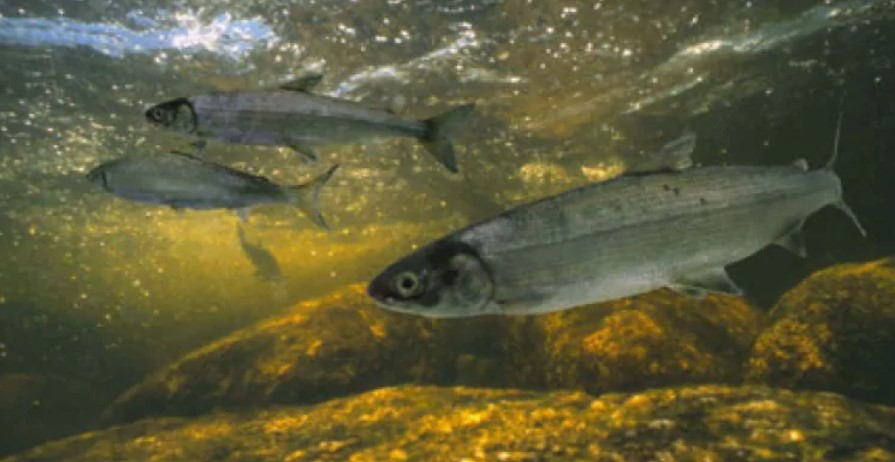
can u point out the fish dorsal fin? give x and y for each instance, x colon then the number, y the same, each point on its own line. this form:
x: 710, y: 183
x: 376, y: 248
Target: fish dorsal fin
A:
x: 801, y: 164
x: 674, y: 156
x: 699, y: 284
x: 305, y: 83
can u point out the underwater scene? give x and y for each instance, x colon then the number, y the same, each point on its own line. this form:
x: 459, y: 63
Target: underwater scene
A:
x: 459, y: 230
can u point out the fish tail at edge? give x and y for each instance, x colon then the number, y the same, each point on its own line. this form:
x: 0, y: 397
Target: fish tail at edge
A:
x: 440, y: 129
x: 306, y: 197
x: 831, y: 163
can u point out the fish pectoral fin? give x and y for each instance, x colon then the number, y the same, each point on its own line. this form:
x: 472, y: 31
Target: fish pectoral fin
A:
x: 304, y: 83
x: 307, y: 152
x: 699, y: 284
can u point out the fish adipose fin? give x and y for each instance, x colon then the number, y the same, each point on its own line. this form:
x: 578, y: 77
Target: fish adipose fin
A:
x: 306, y: 197
x: 305, y: 83
x: 841, y: 205
x: 699, y: 284
x: 440, y: 129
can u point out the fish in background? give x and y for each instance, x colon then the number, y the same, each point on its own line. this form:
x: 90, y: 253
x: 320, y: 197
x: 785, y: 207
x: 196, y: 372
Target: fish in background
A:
x: 182, y: 181
x: 291, y: 115
x: 266, y: 266
x: 614, y: 239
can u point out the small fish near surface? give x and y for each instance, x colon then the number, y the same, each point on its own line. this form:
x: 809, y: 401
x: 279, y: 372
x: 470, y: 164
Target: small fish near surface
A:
x: 184, y: 181
x: 291, y: 115
x: 611, y: 240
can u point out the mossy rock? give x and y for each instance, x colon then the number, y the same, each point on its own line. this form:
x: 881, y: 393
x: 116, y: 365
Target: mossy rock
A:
x: 835, y: 331
x: 661, y: 338
x: 452, y: 424
x: 343, y: 344
x: 335, y: 345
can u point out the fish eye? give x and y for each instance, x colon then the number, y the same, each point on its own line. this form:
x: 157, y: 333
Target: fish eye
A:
x: 408, y: 284
x: 158, y: 114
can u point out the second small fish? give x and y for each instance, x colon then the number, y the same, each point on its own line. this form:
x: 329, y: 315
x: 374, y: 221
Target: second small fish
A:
x: 291, y: 115
x: 185, y: 181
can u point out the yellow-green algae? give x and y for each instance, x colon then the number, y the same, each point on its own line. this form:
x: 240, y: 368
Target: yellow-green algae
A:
x: 326, y: 347
x: 656, y: 339
x: 834, y: 331
x: 704, y: 423
x: 343, y: 343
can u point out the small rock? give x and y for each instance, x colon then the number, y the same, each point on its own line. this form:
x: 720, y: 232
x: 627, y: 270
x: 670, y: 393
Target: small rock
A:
x: 835, y: 331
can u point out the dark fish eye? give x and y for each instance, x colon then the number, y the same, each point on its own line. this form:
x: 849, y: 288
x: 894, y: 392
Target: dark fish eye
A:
x: 407, y: 284
x: 158, y: 114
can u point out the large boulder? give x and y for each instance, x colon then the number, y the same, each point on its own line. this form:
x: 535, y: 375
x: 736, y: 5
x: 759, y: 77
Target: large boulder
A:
x: 452, y: 424
x: 343, y: 344
x: 335, y: 345
x: 834, y: 331
x: 660, y: 338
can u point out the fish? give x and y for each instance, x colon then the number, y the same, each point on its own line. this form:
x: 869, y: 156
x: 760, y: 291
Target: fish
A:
x: 613, y: 239
x: 185, y: 181
x: 266, y: 266
x: 291, y: 115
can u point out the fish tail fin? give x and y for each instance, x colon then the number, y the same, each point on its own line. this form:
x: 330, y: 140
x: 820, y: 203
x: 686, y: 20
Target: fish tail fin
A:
x: 840, y: 204
x: 440, y: 129
x: 832, y: 161
x: 306, y: 197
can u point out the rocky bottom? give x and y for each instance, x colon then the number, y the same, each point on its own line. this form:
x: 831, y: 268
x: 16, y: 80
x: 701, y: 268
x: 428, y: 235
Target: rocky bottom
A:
x: 705, y: 423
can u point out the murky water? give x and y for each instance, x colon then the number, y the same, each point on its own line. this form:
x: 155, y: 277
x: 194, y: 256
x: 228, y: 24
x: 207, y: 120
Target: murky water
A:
x: 98, y: 291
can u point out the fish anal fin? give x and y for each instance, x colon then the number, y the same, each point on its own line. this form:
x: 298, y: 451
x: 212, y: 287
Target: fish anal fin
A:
x: 305, y: 83
x: 794, y: 242
x: 801, y: 164
x: 243, y: 214
x: 697, y: 285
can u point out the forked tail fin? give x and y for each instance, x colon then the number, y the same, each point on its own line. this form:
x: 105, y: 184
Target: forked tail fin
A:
x: 841, y: 205
x: 440, y: 129
x: 306, y: 197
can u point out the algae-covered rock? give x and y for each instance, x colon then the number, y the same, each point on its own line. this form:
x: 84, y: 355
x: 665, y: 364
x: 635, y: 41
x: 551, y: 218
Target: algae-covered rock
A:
x: 706, y: 423
x: 344, y: 344
x: 834, y: 331
x: 660, y: 338
x: 326, y: 347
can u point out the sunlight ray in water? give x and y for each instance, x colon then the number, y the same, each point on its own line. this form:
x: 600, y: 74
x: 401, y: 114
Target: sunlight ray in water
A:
x: 181, y: 31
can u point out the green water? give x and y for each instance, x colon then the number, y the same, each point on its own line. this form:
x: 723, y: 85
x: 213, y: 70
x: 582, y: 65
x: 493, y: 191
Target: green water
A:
x: 96, y: 292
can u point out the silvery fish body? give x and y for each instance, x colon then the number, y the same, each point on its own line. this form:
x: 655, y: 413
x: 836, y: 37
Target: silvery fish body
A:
x: 610, y: 240
x: 184, y: 181
x: 293, y: 116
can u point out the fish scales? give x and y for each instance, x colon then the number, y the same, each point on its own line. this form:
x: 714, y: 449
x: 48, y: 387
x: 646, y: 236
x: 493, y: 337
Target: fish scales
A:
x: 612, y: 240
x: 679, y: 223
x: 299, y: 115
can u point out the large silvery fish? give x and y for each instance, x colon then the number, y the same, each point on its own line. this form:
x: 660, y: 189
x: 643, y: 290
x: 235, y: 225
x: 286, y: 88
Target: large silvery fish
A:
x: 612, y: 240
x: 292, y: 116
x: 184, y: 181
